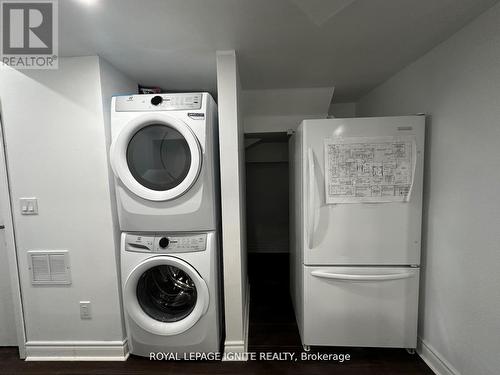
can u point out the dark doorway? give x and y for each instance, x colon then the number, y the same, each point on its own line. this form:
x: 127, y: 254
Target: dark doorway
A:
x: 272, y: 320
x: 267, y: 192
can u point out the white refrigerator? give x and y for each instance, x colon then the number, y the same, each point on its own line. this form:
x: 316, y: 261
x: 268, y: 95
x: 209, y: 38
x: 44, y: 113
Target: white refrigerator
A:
x: 355, y: 228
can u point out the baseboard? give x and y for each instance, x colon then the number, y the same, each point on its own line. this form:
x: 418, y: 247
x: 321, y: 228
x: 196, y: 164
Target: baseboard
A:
x: 76, y: 350
x: 434, y: 359
x: 235, y: 347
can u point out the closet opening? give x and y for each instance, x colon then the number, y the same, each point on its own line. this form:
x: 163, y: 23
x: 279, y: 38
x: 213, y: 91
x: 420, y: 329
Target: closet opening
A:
x: 272, y: 321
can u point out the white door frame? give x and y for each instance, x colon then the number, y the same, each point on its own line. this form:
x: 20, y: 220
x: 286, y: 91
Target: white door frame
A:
x: 10, y: 240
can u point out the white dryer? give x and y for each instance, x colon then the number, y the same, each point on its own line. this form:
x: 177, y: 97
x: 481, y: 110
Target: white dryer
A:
x: 164, y: 154
x: 170, y: 292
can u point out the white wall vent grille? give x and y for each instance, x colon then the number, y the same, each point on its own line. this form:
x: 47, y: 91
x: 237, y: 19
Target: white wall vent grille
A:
x: 49, y: 267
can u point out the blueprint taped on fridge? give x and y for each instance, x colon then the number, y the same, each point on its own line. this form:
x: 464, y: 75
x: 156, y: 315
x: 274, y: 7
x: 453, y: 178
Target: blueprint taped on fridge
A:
x: 369, y: 169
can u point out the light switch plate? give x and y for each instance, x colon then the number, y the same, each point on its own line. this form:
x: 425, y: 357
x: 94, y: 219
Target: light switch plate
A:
x: 85, y: 312
x: 29, y: 206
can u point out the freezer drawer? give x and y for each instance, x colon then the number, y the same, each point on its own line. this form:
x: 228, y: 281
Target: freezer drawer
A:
x: 360, y: 306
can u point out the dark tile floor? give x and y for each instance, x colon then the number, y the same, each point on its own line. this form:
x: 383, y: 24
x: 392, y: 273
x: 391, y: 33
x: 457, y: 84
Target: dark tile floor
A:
x: 272, y: 320
x: 272, y: 329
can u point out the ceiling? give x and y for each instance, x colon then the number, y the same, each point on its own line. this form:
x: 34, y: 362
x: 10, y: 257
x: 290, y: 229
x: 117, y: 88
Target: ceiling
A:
x: 351, y: 44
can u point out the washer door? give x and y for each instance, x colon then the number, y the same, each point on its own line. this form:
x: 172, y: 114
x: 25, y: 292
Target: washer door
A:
x: 165, y: 295
x: 157, y: 157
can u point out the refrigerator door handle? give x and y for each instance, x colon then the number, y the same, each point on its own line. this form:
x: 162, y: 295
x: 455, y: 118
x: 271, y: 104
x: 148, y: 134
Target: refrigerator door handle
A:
x: 351, y: 277
x: 310, y: 201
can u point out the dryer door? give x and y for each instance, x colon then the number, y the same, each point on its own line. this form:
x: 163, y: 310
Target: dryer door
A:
x: 165, y: 295
x: 157, y: 157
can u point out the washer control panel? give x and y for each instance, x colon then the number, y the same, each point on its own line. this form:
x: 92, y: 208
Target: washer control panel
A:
x: 166, y: 243
x: 158, y: 102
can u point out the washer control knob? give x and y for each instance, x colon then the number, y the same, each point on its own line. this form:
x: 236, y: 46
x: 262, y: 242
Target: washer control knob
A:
x: 156, y: 100
x: 163, y: 242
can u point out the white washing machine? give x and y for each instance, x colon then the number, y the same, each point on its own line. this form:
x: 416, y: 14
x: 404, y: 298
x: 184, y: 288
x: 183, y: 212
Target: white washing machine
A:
x: 164, y: 154
x: 170, y: 292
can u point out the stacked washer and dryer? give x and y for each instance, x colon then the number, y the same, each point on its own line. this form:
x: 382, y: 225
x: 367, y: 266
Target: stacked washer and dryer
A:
x: 164, y: 155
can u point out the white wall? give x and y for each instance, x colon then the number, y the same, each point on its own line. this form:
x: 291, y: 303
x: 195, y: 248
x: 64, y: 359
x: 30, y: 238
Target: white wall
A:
x: 112, y: 83
x: 232, y: 174
x: 343, y: 110
x: 458, y: 85
x: 55, y: 137
x: 278, y: 110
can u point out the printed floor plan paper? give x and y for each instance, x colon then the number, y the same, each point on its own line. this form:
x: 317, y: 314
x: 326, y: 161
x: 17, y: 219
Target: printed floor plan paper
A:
x: 369, y: 169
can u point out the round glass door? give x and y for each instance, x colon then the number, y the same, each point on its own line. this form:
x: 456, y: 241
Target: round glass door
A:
x: 166, y: 293
x: 158, y: 157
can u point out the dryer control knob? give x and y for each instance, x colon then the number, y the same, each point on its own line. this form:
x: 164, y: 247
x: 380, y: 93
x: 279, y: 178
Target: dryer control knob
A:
x: 156, y: 100
x: 163, y: 242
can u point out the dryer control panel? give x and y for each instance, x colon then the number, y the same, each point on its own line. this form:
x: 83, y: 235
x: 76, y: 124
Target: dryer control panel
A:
x: 166, y: 242
x: 158, y: 102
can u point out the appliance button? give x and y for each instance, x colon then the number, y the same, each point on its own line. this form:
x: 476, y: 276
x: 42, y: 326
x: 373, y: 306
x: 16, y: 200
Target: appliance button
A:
x: 163, y: 242
x: 156, y: 100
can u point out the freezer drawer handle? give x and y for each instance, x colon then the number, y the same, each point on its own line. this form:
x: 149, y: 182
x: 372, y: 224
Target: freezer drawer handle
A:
x: 342, y: 276
x: 310, y: 208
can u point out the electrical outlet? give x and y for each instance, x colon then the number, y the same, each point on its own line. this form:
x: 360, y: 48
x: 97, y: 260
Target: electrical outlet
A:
x: 85, y: 312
